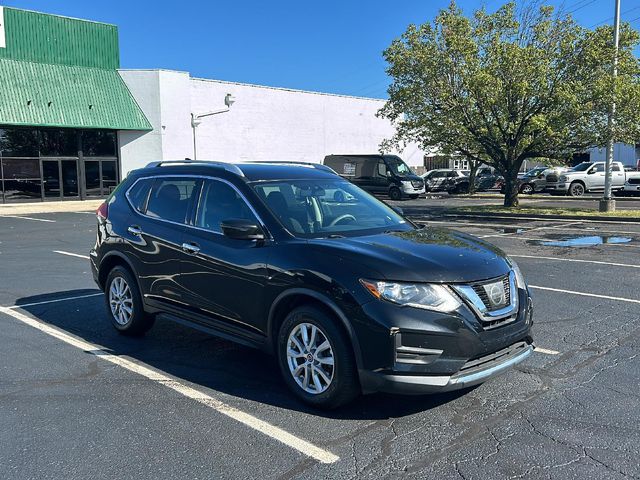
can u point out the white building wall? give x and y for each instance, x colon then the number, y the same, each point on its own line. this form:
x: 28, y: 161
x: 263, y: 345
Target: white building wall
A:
x: 264, y: 123
x: 622, y: 152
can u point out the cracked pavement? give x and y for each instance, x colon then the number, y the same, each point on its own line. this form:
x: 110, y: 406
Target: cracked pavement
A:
x: 66, y: 414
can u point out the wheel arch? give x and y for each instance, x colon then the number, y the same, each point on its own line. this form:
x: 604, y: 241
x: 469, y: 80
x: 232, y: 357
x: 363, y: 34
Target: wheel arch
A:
x: 109, y: 262
x: 295, y: 297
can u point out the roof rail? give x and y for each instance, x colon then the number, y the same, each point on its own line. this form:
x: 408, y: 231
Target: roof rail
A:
x: 229, y: 167
x: 317, y: 166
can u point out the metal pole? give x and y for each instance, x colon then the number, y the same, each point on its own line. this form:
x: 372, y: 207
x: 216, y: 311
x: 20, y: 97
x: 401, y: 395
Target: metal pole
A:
x: 607, y: 204
x: 193, y: 126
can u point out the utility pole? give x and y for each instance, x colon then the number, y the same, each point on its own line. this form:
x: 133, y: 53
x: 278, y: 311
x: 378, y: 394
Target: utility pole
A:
x: 607, y: 204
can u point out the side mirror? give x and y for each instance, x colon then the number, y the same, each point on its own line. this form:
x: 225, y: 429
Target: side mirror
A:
x: 240, y: 229
x: 591, y: 172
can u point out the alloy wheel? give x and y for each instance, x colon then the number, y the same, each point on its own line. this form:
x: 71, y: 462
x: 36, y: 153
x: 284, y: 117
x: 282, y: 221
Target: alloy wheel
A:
x: 120, y: 301
x: 310, y: 358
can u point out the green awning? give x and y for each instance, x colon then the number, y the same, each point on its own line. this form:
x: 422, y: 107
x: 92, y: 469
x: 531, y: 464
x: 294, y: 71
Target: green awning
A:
x: 40, y: 94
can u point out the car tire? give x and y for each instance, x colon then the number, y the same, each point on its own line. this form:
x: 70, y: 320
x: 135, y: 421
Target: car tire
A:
x: 328, y: 385
x: 576, y: 189
x: 527, y: 189
x: 395, y: 194
x: 124, y: 303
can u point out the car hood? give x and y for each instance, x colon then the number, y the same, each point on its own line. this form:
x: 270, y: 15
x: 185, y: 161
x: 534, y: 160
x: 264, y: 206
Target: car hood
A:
x: 425, y: 255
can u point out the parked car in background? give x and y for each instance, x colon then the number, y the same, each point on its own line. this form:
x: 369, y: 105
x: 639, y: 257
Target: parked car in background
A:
x: 535, y: 180
x: 631, y: 187
x: 487, y: 178
x: 378, y: 174
x: 445, y: 180
x: 585, y: 177
x: 350, y: 297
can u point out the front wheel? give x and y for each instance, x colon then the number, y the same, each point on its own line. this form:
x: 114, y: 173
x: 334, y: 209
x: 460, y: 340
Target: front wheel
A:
x: 395, y: 194
x: 316, y: 360
x: 527, y: 189
x: 576, y: 189
x: 124, y: 303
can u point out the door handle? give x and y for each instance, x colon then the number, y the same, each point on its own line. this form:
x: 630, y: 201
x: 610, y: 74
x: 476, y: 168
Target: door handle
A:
x: 191, y: 248
x: 134, y: 230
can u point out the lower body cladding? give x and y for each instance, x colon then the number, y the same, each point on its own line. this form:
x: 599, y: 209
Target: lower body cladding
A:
x: 430, y: 352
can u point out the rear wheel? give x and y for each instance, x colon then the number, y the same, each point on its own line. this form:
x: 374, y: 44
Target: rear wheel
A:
x: 124, y: 303
x: 395, y: 194
x: 316, y: 360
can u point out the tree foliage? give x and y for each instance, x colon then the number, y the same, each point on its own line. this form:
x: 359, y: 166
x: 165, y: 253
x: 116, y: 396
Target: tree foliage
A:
x: 509, y: 86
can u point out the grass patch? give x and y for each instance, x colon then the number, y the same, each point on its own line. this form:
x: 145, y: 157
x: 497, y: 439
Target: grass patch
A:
x: 577, y: 212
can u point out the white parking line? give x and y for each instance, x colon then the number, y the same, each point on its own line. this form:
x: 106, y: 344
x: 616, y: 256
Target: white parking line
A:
x: 583, y: 294
x: 250, y: 421
x: 29, y: 218
x: 546, y: 351
x: 576, y: 260
x: 86, y: 257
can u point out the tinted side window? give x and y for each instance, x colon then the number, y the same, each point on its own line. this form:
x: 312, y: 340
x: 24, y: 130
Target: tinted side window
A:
x: 139, y: 193
x: 616, y: 168
x: 170, y: 199
x: 219, y: 202
x: 599, y: 167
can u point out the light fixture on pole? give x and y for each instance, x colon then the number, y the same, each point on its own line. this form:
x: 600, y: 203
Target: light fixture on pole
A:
x: 607, y: 204
x: 196, y: 119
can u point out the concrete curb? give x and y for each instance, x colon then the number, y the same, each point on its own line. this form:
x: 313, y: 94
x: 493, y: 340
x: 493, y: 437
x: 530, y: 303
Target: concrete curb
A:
x: 50, y: 207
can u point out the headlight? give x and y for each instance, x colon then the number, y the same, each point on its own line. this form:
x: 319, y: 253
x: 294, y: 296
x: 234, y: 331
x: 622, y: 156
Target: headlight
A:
x: 419, y: 295
x: 563, y: 178
x: 520, y: 282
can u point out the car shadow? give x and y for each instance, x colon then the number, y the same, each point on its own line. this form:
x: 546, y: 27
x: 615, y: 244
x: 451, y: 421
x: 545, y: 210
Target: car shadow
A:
x: 207, y: 361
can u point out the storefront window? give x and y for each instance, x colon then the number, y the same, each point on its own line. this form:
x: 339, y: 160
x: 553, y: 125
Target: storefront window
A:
x: 18, y: 142
x: 59, y: 143
x: 98, y: 143
x: 92, y: 176
x: 21, y: 178
x: 31, y: 171
x: 109, y: 176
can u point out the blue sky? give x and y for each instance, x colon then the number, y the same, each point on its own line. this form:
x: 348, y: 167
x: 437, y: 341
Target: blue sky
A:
x: 330, y: 46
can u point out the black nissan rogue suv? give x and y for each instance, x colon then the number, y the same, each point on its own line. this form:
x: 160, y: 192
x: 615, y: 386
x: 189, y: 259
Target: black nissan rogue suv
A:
x: 350, y: 296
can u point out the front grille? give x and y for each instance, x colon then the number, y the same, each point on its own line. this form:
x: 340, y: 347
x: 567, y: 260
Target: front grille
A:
x: 634, y: 181
x: 487, y: 361
x: 552, y: 178
x: 416, y: 183
x: 489, y: 303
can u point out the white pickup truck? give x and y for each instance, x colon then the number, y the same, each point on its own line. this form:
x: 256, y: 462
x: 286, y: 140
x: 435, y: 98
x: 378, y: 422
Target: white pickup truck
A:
x: 586, y: 177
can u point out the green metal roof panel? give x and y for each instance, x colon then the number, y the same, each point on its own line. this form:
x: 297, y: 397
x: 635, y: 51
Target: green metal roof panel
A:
x: 38, y: 37
x: 40, y: 94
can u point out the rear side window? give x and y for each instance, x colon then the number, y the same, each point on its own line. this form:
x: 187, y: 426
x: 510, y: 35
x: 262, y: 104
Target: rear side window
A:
x: 139, y: 193
x: 171, y: 199
x: 616, y: 168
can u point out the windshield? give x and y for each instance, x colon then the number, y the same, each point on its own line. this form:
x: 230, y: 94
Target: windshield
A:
x: 398, y: 167
x: 535, y: 172
x: 581, y: 167
x: 326, y: 208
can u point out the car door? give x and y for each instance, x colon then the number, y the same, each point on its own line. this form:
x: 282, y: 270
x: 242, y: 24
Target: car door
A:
x: 596, y: 180
x: 155, y: 232
x: 617, y: 176
x: 223, y: 279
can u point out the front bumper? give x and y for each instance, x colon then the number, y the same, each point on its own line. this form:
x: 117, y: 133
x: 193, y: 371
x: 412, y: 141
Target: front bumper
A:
x: 557, y: 187
x: 413, y: 191
x: 477, y: 372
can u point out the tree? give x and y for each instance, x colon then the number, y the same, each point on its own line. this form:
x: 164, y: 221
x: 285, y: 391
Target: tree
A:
x: 510, y: 86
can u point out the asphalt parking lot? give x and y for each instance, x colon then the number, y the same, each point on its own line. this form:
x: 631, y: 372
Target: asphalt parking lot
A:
x: 79, y: 401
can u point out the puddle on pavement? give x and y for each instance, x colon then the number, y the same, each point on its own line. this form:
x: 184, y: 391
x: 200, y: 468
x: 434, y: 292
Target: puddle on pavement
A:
x: 588, y: 241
